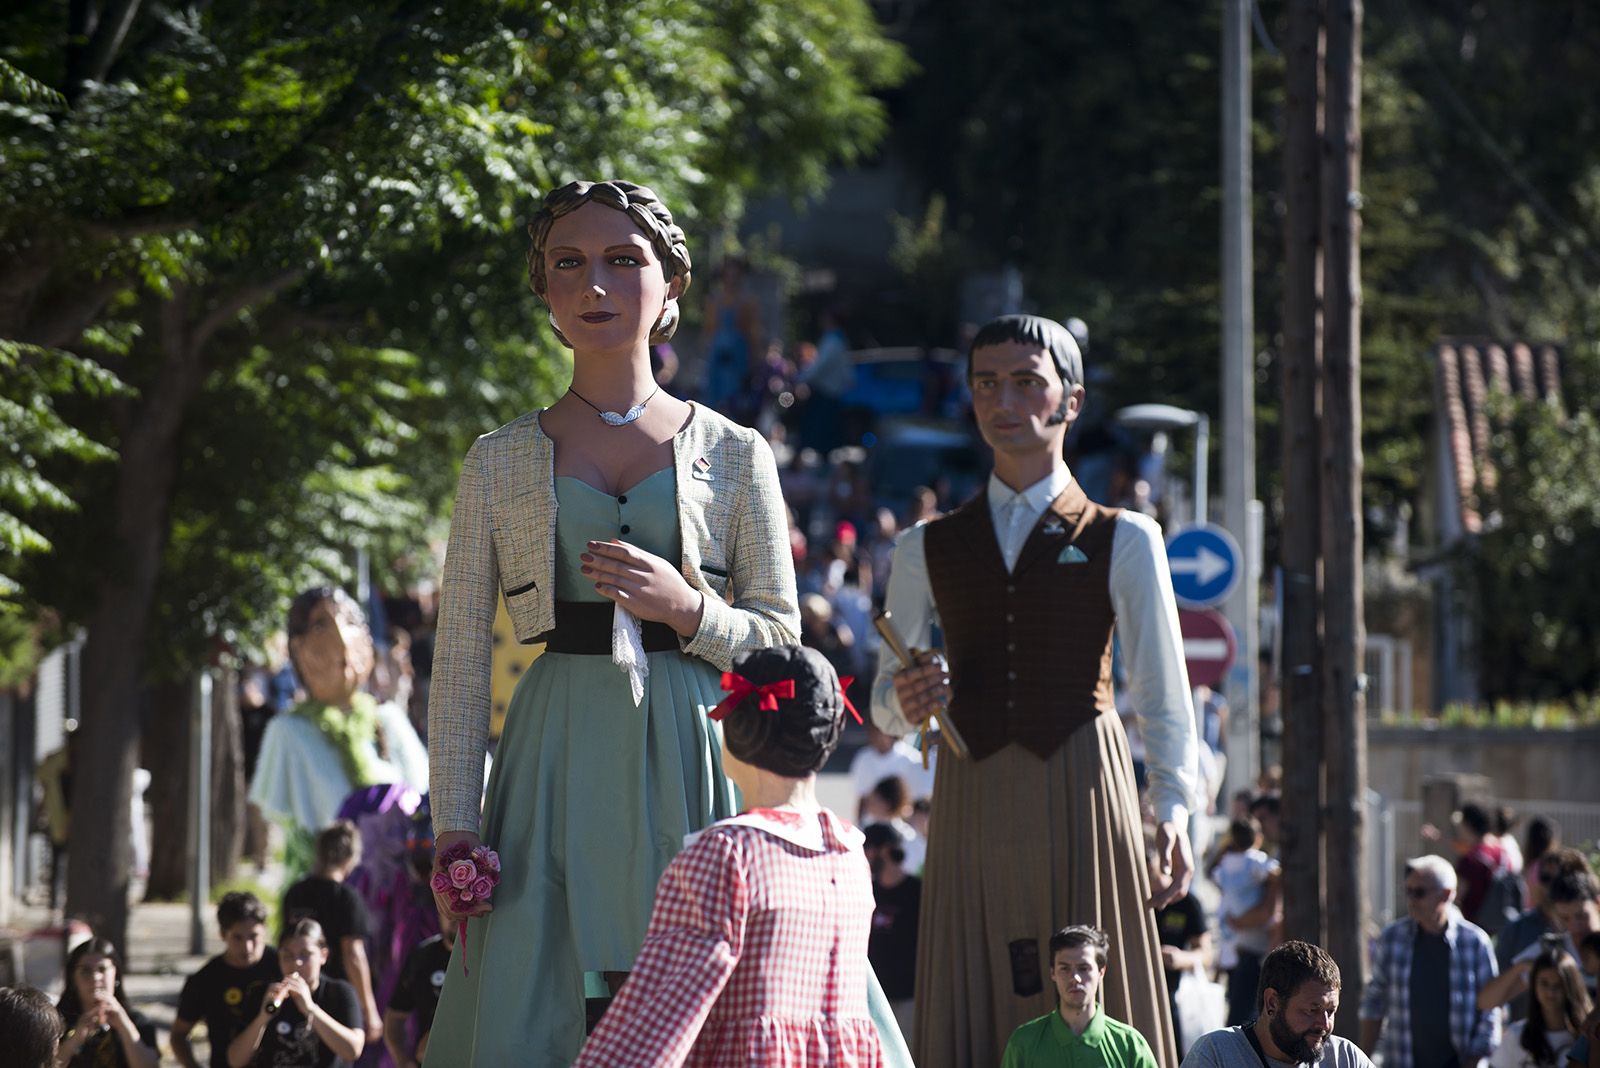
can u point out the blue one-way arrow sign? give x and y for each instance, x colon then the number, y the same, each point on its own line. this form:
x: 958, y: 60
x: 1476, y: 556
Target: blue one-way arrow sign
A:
x: 1205, y: 565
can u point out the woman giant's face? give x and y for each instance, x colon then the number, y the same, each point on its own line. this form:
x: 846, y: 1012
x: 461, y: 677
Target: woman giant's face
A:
x: 603, y: 280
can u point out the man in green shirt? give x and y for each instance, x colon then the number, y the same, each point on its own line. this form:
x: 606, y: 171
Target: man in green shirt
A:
x: 1078, y: 1033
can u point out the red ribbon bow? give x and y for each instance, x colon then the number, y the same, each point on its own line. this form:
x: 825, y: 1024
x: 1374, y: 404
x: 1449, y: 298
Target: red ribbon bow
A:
x: 844, y: 693
x: 739, y: 688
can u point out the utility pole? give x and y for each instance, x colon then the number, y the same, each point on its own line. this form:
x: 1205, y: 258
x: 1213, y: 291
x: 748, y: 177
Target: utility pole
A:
x: 1242, y: 607
x: 1344, y: 629
x: 1300, y: 531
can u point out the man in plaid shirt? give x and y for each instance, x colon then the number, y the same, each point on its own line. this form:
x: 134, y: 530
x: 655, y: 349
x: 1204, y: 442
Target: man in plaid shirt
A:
x: 1426, y: 973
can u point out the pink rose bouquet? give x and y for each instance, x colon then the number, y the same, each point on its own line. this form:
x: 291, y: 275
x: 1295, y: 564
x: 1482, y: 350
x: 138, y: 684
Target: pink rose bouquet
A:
x: 464, y: 876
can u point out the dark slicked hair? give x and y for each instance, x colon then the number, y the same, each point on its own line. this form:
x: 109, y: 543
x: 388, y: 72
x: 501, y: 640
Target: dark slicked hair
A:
x: 1291, y: 965
x: 240, y: 907
x: 1048, y: 334
x: 1077, y: 936
x: 30, y: 1027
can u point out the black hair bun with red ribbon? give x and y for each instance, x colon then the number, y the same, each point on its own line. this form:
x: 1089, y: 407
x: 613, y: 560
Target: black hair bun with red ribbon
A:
x: 785, y: 710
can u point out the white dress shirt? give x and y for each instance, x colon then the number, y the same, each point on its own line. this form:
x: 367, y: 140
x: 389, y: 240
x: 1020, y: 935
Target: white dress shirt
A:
x: 1147, y: 624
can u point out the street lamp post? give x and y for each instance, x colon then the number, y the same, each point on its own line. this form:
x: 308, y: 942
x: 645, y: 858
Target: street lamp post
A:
x: 1166, y: 417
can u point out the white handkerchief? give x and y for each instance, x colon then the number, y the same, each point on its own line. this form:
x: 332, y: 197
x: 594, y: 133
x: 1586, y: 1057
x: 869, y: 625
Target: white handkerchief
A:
x: 627, y: 651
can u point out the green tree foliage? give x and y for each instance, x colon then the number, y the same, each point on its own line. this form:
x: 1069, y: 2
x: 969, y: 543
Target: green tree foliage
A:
x: 294, y: 230
x: 336, y: 195
x: 1080, y: 142
x: 1534, y: 572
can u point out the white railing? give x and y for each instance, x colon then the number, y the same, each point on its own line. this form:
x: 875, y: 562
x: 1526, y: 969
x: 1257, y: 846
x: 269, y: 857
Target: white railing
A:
x: 1400, y: 822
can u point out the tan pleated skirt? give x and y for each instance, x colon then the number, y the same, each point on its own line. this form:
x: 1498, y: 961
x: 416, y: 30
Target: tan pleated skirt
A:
x: 1019, y: 847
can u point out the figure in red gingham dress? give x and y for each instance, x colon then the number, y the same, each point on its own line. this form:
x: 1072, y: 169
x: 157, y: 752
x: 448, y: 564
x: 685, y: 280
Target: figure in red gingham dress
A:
x: 756, y: 953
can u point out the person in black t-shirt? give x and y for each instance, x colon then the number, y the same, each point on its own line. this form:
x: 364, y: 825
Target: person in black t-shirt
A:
x: 1185, y: 940
x: 324, y: 897
x: 102, y: 1031
x: 416, y: 995
x: 217, y: 994
x: 892, y: 946
x: 307, y: 1019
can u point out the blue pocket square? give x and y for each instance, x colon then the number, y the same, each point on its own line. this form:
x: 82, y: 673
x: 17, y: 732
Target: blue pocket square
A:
x: 1072, y: 555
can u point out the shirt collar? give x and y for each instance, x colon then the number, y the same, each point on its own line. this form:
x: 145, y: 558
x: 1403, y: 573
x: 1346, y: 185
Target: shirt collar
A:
x: 819, y: 832
x: 1037, y: 496
x: 1092, y: 1035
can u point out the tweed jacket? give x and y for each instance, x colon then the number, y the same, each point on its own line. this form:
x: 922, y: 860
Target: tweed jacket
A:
x: 736, y: 551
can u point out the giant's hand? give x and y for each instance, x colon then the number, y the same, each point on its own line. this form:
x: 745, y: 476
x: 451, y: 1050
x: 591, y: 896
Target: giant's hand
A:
x: 1173, y: 846
x: 442, y: 843
x: 923, y: 688
x: 645, y: 584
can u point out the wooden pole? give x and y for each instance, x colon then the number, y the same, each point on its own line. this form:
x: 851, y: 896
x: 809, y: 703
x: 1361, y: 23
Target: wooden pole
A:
x: 1344, y: 629
x: 1301, y: 698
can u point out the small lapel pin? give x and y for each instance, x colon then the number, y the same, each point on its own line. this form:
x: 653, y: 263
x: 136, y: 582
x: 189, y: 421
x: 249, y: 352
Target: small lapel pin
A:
x: 1072, y: 555
x: 702, y: 470
x: 1053, y: 526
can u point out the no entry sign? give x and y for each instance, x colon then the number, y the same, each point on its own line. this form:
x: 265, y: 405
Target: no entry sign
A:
x: 1209, y: 645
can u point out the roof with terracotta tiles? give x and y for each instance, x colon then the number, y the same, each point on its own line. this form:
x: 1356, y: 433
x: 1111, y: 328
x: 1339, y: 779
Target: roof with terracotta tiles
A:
x: 1468, y: 374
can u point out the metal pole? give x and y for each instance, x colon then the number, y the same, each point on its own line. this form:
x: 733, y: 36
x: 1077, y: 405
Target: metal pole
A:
x: 1202, y: 457
x: 200, y: 816
x: 1242, y: 608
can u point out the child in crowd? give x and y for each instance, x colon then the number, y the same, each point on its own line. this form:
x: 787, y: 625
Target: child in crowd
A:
x: 416, y: 995
x: 217, y: 993
x: 307, y: 1019
x: 758, y: 941
x: 890, y: 802
x: 324, y: 897
x: 1248, y: 880
x: 102, y: 1030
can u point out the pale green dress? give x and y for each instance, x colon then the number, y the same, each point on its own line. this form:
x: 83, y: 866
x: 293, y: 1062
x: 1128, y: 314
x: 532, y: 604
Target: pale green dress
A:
x: 589, y: 800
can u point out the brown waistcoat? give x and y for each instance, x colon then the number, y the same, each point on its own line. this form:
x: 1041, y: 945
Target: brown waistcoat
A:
x: 1029, y: 651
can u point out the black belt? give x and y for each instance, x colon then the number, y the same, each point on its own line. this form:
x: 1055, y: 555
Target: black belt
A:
x: 584, y: 627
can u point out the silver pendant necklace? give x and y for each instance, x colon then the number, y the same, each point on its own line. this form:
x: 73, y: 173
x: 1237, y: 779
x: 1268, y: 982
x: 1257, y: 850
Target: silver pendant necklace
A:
x: 617, y: 418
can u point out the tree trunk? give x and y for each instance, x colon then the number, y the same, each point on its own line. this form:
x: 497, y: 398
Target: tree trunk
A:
x: 97, y: 875
x: 1300, y: 697
x: 1344, y: 629
x: 166, y: 754
x: 227, y: 777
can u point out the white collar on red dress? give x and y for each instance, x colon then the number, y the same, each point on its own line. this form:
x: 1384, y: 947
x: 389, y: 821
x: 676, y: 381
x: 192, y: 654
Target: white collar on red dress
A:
x: 820, y: 831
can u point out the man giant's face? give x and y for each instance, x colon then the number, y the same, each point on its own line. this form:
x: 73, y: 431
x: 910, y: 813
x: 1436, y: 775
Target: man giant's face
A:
x: 334, y: 656
x: 1016, y: 393
x: 1301, y: 1024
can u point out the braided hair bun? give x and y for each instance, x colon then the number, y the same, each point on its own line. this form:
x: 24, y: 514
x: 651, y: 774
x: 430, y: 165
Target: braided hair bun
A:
x: 797, y: 739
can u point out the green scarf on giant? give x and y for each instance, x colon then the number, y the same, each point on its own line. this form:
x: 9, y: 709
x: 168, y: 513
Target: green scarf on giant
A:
x: 353, y: 733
